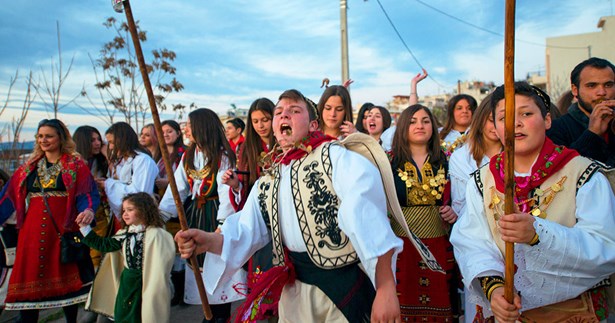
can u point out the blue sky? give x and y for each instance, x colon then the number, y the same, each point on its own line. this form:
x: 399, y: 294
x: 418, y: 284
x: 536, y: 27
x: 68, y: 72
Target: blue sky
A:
x: 236, y: 51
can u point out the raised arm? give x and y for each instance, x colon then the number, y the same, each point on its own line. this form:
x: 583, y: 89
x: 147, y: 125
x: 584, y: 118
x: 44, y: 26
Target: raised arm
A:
x: 414, y: 96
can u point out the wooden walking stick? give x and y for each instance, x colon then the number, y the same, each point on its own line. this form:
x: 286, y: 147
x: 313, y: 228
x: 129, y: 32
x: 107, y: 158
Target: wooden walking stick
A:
x: 163, y: 149
x: 509, y: 142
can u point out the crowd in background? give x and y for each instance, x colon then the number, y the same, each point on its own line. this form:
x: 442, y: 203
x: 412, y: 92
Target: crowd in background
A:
x: 93, y: 183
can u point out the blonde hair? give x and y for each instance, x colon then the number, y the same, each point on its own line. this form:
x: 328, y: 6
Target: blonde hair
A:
x: 67, y: 145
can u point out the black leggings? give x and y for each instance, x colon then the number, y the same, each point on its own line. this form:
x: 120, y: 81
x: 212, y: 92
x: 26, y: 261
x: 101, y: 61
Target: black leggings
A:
x: 31, y: 316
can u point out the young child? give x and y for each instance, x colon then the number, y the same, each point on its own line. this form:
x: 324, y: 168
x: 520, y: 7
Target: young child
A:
x: 136, y: 267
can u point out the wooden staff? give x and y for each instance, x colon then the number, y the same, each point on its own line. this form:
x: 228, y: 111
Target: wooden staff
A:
x: 165, y: 154
x: 509, y: 142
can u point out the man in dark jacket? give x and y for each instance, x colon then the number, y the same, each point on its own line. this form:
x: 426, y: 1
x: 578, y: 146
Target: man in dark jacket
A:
x: 588, y: 127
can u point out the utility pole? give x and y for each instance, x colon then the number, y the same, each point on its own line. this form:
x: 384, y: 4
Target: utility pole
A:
x: 344, y: 31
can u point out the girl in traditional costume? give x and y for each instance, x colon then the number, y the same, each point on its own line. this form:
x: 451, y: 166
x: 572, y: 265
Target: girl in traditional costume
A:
x: 482, y: 144
x: 89, y: 144
x: 421, y: 180
x: 259, y: 140
x: 199, y: 183
x: 131, y: 169
x: 174, y: 143
x: 458, y: 118
x: 132, y: 284
x: 55, y: 184
x: 562, y: 229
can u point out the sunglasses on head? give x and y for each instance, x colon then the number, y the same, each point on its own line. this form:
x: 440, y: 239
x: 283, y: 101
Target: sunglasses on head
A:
x: 50, y: 122
x: 54, y: 123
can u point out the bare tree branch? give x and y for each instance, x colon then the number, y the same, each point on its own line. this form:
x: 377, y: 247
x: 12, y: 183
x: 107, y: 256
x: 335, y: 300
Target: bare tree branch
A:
x: 8, y: 95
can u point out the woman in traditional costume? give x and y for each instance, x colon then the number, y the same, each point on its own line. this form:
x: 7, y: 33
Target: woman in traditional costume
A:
x: 562, y: 229
x: 458, y: 118
x: 199, y: 183
x: 55, y: 184
x: 259, y: 141
x: 172, y: 134
x: 420, y: 172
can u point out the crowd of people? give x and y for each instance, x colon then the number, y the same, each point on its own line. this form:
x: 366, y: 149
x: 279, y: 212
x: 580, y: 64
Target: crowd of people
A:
x: 300, y: 214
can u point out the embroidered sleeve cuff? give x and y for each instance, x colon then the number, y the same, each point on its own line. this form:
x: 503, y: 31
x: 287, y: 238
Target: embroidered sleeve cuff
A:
x: 490, y: 283
x: 535, y: 240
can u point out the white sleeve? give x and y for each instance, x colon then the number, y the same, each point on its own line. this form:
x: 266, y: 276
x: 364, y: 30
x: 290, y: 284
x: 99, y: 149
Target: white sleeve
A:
x: 144, y: 173
x: 475, y: 250
x: 225, y: 208
x: 586, y: 250
x: 167, y: 203
x: 387, y: 138
x: 244, y: 233
x: 362, y: 212
x: 458, y: 183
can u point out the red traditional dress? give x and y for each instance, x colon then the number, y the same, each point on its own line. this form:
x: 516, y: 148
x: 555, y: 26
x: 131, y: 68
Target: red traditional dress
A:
x: 424, y: 295
x: 39, y: 280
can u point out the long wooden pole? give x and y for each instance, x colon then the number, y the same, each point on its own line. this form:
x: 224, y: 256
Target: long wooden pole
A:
x: 165, y: 154
x: 509, y: 142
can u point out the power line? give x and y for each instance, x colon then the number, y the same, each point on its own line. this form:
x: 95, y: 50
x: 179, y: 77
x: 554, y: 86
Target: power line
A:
x: 491, y: 31
x: 406, y: 45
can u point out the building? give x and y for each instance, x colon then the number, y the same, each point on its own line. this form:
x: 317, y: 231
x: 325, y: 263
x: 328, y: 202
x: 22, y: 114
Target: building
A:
x: 437, y: 103
x: 563, y: 53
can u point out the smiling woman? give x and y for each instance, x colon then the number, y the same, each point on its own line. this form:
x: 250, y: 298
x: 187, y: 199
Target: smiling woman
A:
x: 58, y: 186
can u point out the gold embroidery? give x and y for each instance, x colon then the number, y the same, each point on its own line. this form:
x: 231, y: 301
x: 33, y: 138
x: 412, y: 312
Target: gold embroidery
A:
x: 198, y: 174
x: 427, y: 191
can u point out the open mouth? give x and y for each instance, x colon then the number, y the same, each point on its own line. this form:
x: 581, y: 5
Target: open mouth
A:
x: 286, y: 129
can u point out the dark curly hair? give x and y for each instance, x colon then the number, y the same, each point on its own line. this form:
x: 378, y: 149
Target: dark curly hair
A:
x: 147, y: 209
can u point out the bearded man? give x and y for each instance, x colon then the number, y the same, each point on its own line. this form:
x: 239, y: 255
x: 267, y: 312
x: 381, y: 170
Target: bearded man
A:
x: 588, y: 126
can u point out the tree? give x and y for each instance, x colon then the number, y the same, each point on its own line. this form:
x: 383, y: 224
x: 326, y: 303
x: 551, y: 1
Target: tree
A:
x: 51, y: 86
x: 10, y: 155
x: 118, y: 81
